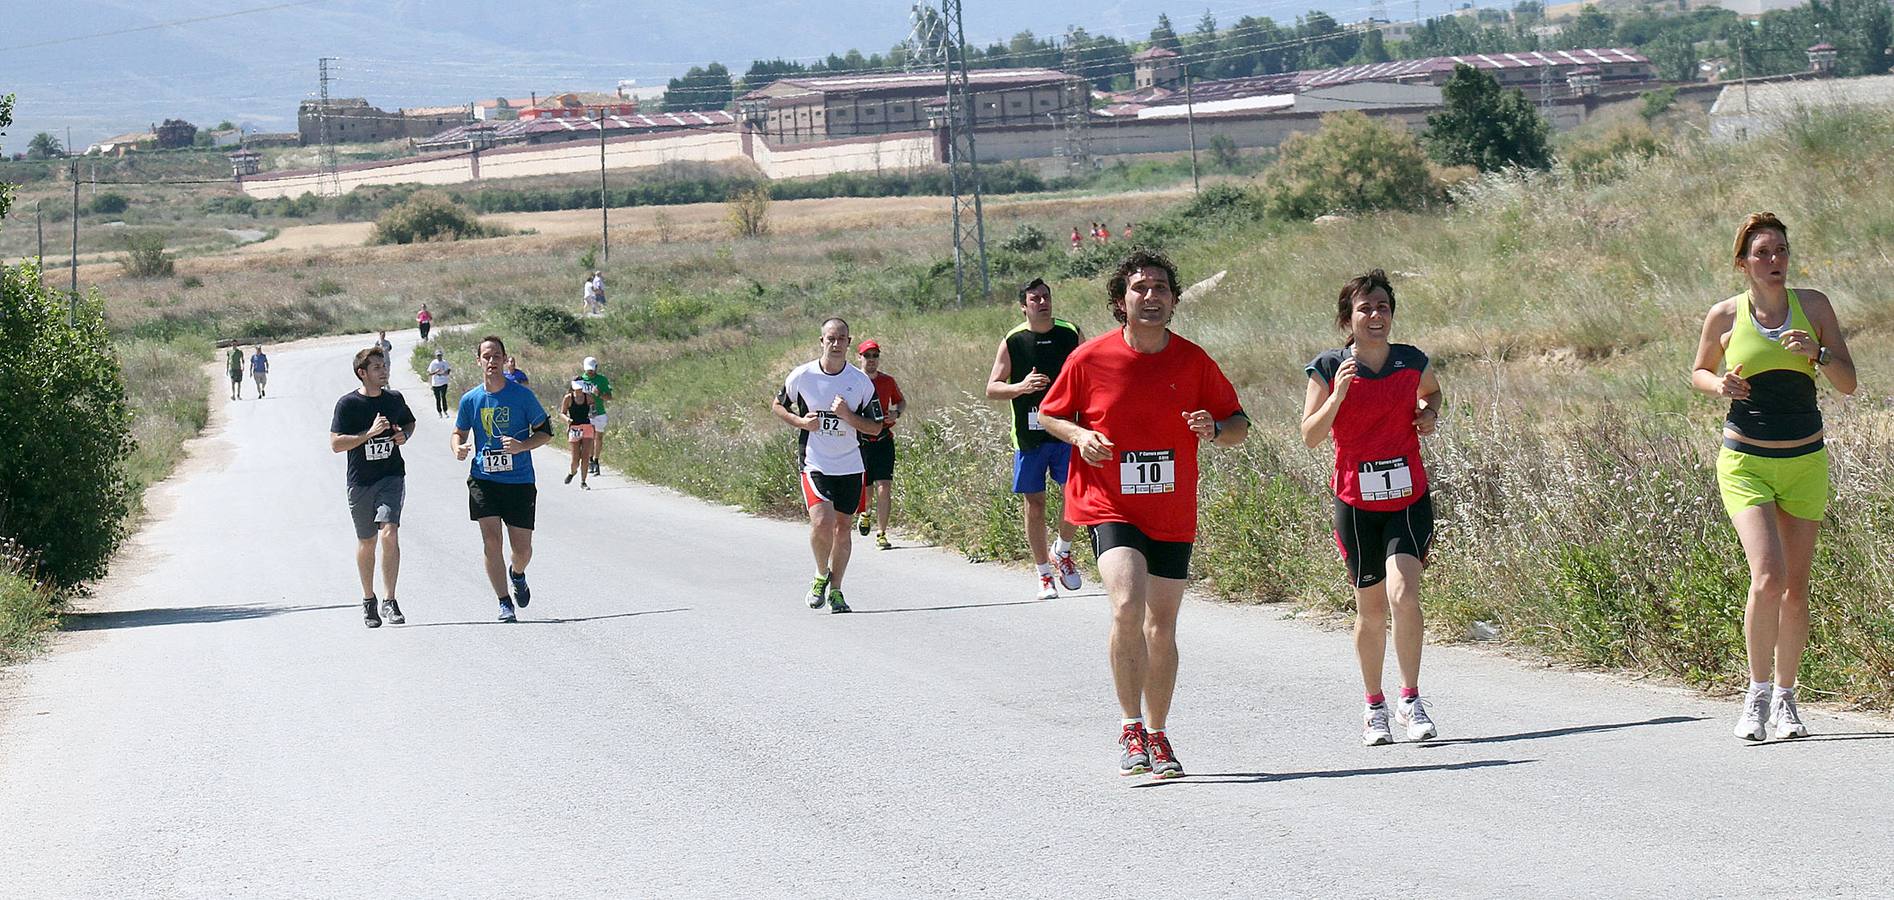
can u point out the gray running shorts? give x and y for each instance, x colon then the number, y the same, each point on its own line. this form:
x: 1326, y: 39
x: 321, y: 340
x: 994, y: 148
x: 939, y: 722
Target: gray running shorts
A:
x: 372, y: 504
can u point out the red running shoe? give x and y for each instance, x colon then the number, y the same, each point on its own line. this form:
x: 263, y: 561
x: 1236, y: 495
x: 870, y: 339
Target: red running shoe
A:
x: 1164, y: 763
x: 1136, y: 760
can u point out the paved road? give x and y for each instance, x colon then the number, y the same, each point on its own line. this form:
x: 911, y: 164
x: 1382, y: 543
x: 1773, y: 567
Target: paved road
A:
x: 669, y: 719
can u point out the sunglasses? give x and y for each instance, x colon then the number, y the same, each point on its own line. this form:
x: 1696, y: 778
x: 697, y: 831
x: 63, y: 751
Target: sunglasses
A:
x: 871, y: 356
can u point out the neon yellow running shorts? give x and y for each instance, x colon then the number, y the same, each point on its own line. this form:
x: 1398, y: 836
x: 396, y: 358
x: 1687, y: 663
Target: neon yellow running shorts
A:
x: 1798, y: 485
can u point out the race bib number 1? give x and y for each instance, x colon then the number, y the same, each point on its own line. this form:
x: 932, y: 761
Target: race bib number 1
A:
x: 379, y: 449
x: 492, y: 461
x: 1147, y: 472
x: 1387, y: 479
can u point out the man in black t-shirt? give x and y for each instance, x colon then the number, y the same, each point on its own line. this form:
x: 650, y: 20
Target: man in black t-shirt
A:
x: 370, y: 425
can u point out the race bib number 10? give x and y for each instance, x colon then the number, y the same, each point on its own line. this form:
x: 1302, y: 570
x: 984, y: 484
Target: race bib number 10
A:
x: 492, y: 461
x: 1387, y: 479
x: 1147, y: 472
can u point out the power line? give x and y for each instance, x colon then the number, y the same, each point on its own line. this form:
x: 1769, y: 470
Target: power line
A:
x: 160, y: 25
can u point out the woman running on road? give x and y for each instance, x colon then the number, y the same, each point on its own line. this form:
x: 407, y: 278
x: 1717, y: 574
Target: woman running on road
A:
x: 577, y: 408
x: 424, y: 321
x: 1376, y: 399
x: 1761, y: 349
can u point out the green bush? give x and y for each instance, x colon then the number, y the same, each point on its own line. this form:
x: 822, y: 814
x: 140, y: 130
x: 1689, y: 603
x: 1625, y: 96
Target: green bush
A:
x: 64, y: 491
x: 543, y: 324
x: 145, y: 256
x: 1657, y: 102
x: 1026, y: 238
x: 427, y: 216
x: 1608, y: 155
x: 109, y: 203
x: 1353, y: 164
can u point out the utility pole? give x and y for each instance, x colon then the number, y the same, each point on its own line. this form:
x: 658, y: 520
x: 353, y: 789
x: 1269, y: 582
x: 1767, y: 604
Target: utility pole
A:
x: 1190, y: 122
x: 39, y: 232
x: 329, y: 179
x: 1742, y: 74
x: 963, y: 169
x: 604, y: 225
x: 1075, y: 111
x: 72, y: 292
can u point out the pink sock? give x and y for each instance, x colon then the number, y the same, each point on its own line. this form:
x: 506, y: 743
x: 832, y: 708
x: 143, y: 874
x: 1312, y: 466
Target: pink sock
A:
x: 1409, y: 693
x: 1377, y: 699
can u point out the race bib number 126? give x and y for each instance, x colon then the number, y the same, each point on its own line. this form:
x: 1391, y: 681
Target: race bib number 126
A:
x: 1147, y: 472
x: 496, y: 461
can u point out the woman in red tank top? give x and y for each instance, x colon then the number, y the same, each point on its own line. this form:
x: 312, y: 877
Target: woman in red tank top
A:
x: 1376, y: 399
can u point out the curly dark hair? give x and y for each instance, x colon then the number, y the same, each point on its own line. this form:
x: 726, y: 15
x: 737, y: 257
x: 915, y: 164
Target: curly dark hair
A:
x: 1356, y: 287
x: 1139, y: 259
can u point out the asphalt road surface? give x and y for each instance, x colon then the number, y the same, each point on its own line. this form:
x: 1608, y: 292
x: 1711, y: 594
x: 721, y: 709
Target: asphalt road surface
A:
x: 669, y: 719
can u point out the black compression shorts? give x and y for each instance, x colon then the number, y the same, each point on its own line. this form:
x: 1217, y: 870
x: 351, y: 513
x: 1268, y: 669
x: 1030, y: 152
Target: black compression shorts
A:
x: 1165, y: 559
x: 1368, y: 538
x: 514, y: 504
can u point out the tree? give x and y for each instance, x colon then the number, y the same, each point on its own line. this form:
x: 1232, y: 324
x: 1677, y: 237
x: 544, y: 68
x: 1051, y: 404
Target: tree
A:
x: 702, y: 88
x: 65, y: 428
x: 1486, y: 127
x: 1353, y: 164
x: 1589, y: 30
x: 175, y: 133
x: 1200, y: 48
x: 748, y: 211
x: 44, y: 146
x: 1163, y: 35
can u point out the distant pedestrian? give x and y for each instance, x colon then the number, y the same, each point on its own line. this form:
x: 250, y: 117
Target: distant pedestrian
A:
x: 514, y: 373
x: 387, y: 346
x: 576, y: 407
x: 1104, y: 233
x: 424, y: 320
x: 438, y: 373
x: 598, y: 290
x: 601, y: 388
x: 370, y: 424
x: 588, y: 298
x: 1127, y: 234
x: 260, y: 371
x: 234, y: 363
x: 1076, y: 240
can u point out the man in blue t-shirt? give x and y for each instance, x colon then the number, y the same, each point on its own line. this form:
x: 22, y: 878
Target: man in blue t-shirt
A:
x: 499, y: 424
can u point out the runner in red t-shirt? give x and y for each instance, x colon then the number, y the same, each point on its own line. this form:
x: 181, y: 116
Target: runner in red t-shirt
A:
x: 1135, y: 404
x: 878, y: 450
x: 1376, y: 399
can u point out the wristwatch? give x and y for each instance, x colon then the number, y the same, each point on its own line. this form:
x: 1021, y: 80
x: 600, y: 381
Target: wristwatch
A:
x: 1821, y: 359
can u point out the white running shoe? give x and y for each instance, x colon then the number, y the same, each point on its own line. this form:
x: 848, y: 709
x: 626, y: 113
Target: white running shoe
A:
x: 1046, y: 590
x: 1753, y: 723
x: 1788, y: 719
x: 1374, y: 726
x: 1412, y: 715
x: 1068, y: 570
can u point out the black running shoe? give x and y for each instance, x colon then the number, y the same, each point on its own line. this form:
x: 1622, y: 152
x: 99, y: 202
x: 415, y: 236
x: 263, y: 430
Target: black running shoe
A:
x: 522, y: 595
x: 569, y: 477
x: 391, y: 611
x: 369, y: 617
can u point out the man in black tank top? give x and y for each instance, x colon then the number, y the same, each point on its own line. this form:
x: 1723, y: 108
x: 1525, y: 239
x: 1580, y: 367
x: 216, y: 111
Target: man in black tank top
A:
x: 1029, y: 360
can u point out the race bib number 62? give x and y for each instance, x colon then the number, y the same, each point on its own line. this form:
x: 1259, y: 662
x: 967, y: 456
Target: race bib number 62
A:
x: 1147, y: 472
x: 828, y: 423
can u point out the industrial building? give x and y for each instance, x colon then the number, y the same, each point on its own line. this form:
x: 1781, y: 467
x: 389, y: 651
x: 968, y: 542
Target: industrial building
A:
x: 804, y: 110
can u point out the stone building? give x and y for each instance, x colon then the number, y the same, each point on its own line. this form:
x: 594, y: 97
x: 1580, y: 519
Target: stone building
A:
x: 353, y: 121
x: 804, y: 110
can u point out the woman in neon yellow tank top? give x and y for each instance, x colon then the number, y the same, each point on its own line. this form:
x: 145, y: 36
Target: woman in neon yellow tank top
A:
x: 1762, y: 350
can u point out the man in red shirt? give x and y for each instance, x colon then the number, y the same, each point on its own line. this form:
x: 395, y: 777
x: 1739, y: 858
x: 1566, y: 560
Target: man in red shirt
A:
x: 878, y: 450
x: 1135, y: 404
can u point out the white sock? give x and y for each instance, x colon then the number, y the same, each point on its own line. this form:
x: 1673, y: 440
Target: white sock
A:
x: 1780, y: 690
x: 1045, y: 568
x: 1759, y: 687
x: 1061, y: 546
x: 1134, y: 720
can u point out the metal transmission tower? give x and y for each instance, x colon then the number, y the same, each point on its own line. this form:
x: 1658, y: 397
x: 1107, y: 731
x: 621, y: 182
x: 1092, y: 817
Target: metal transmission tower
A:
x: 1075, y: 111
x: 925, y: 41
x: 963, y: 168
x: 328, y: 179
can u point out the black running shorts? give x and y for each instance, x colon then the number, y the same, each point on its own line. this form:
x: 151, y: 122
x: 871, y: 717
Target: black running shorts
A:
x: 1368, y: 539
x: 845, y: 492
x: 514, y: 504
x: 1165, y: 559
x: 878, y: 459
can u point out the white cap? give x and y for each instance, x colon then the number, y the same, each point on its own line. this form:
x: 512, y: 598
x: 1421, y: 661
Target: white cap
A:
x: 578, y: 385
x: 591, y: 364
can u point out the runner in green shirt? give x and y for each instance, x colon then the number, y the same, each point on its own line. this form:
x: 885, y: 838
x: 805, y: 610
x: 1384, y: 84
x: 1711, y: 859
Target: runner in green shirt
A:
x: 601, y: 392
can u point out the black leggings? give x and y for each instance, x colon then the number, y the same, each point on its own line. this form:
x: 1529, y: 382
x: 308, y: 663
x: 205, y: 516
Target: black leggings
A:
x: 424, y: 327
x: 440, y: 398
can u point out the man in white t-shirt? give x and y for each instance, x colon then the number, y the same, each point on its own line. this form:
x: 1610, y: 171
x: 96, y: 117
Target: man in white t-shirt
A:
x: 437, y: 378
x: 831, y: 403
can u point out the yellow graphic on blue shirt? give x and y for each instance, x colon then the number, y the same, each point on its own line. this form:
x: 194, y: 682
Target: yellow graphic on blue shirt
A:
x: 496, y: 421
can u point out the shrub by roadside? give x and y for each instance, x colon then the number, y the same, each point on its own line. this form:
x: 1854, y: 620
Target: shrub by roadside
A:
x: 429, y: 216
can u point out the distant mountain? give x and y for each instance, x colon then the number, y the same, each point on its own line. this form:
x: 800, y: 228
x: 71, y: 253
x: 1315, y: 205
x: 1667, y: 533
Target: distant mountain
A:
x: 253, y: 69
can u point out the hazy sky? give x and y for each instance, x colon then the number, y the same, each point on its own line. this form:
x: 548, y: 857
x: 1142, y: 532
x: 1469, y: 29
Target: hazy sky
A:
x: 253, y: 68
